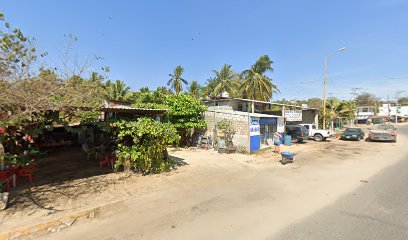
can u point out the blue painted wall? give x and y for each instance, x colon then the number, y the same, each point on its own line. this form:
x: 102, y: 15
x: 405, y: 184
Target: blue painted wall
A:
x: 255, y: 143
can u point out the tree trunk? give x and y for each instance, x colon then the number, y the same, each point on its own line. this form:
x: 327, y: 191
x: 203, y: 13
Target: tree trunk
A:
x: 1, y: 155
x: 127, y: 166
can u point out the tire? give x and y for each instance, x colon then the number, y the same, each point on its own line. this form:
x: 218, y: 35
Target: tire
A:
x: 318, y: 137
x: 299, y: 140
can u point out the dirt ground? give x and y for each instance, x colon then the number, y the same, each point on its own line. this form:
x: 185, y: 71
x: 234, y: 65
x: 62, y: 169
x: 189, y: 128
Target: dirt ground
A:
x: 212, y: 189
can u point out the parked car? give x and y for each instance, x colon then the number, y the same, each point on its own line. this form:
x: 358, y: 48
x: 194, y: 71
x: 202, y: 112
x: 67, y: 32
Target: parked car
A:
x: 297, y: 132
x: 352, y: 134
x: 317, y: 134
x: 383, y: 133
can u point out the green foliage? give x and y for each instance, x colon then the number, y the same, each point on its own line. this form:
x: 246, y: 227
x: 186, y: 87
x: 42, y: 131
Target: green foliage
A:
x: 147, y: 97
x: 227, y: 128
x: 47, y: 93
x: 208, y: 89
x: 184, y: 111
x: 367, y: 99
x: 226, y: 79
x: 142, y: 144
x: 195, y: 89
x: 176, y: 80
x: 117, y: 90
x: 336, y: 108
x: 256, y: 84
x: 16, y: 50
x: 17, y: 148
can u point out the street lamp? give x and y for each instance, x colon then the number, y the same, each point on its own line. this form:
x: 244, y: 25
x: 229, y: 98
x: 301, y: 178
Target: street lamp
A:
x: 325, y: 83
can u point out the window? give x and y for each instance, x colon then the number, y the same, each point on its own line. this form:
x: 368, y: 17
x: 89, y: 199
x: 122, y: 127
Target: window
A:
x: 313, y: 126
x: 267, y: 132
x: 307, y: 126
x: 240, y: 108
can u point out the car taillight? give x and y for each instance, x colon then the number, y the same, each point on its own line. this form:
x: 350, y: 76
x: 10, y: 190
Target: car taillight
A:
x: 394, y: 134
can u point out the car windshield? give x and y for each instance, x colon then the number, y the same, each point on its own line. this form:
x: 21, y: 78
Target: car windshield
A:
x: 386, y: 127
x: 352, y: 130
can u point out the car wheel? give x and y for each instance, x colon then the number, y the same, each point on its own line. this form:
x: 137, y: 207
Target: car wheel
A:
x: 318, y: 137
x: 299, y: 140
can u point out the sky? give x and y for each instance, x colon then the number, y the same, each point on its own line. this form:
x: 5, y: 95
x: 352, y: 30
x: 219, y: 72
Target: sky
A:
x: 143, y: 41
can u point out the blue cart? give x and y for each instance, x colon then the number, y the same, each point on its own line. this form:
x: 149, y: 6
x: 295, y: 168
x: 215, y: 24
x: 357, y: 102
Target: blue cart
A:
x: 287, y: 157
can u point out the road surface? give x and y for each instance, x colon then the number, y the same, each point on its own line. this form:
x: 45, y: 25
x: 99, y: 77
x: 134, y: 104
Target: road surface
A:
x: 342, y: 190
x: 377, y: 210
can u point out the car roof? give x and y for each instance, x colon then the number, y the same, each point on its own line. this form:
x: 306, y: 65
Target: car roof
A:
x: 353, y: 128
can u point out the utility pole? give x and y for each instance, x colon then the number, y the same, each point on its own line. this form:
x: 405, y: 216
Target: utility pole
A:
x: 324, y: 92
x: 388, y: 104
x: 396, y: 104
x: 325, y: 83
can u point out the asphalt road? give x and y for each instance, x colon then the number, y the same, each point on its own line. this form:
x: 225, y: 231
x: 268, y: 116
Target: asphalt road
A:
x: 377, y: 210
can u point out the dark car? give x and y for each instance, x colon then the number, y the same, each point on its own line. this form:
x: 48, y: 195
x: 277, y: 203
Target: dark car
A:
x: 352, y: 134
x: 298, y: 133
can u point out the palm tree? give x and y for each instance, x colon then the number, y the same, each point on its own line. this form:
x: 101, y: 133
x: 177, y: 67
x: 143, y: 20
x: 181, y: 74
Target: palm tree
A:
x: 194, y: 89
x: 176, y: 80
x: 256, y: 84
x: 333, y: 109
x: 117, y: 90
x: 96, y: 78
x: 226, y: 80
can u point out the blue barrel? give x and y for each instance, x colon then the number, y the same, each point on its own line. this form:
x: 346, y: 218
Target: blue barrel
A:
x: 287, y: 140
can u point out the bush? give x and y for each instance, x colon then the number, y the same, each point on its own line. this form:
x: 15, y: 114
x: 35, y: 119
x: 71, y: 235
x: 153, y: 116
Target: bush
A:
x: 142, y: 145
x: 185, y: 113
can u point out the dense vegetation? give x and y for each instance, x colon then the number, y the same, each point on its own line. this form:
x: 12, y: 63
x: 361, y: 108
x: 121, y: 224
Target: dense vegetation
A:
x: 142, y: 145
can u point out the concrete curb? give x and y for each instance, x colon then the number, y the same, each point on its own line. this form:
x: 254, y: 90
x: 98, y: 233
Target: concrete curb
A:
x: 51, y: 225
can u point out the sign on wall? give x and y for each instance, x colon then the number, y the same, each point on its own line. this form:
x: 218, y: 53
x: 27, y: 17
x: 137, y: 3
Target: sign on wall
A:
x: 281, y: 125
x: 293, y: 115
x: 254, y: 127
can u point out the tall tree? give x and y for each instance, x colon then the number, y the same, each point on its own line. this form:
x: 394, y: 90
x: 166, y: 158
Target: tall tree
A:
x: 194, y: 89
x: 96, y: 77
x: 256, y: 84
x: 403, y: 101
x: 332, y: 109
x: 176, y: 81
x: 208, y: 89
x: 367, y: 99
x: 225, y: 78
x: 118, y: 90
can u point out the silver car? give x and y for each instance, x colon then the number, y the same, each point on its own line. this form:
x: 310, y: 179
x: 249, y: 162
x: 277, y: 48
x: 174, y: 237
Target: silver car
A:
x: 383, y: 133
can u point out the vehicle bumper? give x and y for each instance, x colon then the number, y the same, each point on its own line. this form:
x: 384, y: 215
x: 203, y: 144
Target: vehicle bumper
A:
x: 374, y: 138
x: 349, y: 138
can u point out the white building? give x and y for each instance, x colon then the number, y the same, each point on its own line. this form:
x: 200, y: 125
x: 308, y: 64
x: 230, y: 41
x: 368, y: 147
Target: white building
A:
x: 390, y: 110
x: 364, y: 113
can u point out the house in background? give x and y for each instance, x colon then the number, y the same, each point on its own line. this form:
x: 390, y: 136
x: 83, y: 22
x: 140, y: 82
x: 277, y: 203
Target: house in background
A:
x: 364, y: 113
x: 390, y: 110
x: 255, y: 121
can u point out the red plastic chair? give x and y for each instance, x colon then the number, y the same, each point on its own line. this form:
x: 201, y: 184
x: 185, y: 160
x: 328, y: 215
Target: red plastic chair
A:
x: 27, y: 171
x: 6, y: 177
x: 104, y: 160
